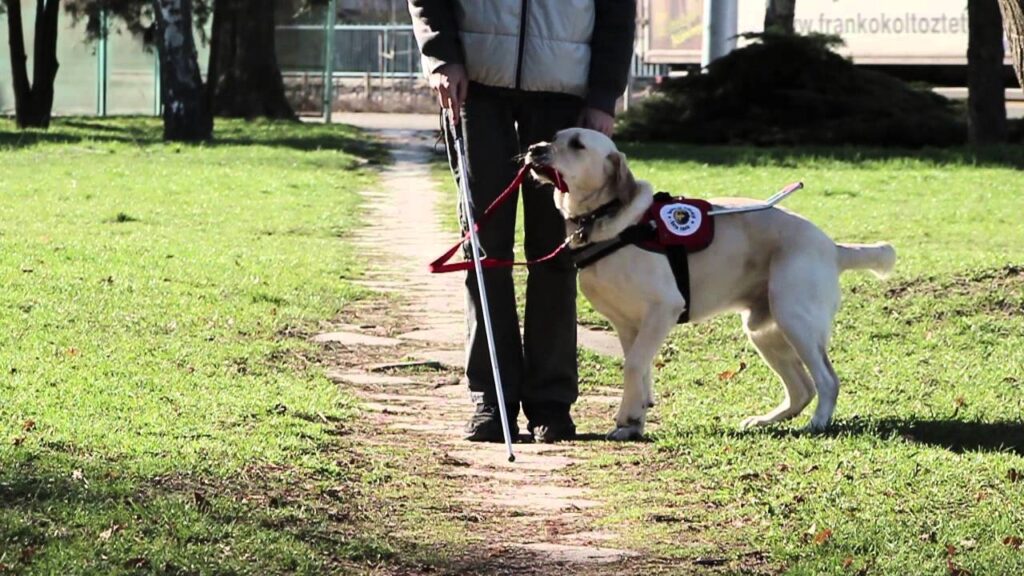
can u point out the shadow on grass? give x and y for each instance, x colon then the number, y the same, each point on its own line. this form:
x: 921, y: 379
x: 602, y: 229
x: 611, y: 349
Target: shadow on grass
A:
x: 958, y: 436
x: 1007, y: 156
x: 140, y: 131
x: 954, y: 435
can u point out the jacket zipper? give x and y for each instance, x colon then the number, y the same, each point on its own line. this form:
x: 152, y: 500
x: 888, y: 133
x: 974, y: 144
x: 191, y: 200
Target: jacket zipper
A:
x: 522, y: 42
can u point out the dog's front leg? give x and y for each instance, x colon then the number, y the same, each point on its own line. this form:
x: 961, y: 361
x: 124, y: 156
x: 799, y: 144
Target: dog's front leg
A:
x: 636, y: 398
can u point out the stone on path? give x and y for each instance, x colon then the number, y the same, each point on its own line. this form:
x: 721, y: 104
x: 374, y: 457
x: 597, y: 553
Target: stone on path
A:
x: 364, y: 379
x: 577, y: 554
x: 600, y: 341
x: 354, y: 339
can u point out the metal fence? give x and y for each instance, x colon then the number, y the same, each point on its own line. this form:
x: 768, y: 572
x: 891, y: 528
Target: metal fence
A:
x: 117, y: 74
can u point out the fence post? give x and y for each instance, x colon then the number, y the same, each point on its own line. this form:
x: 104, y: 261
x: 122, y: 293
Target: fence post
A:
x: 157, y: 96
x: 328, y: 90
x: 101, y: 66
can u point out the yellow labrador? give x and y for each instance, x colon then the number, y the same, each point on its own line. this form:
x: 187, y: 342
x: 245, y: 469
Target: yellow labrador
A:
x: 775, y: 268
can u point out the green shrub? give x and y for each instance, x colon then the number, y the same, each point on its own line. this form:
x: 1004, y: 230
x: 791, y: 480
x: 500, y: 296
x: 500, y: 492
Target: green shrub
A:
x: 787, y: 89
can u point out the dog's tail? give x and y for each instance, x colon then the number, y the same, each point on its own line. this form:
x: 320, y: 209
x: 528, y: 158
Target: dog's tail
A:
x: 879, y: 258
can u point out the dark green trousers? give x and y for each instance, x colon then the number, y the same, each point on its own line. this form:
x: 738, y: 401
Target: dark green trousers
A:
x: 539, y: 366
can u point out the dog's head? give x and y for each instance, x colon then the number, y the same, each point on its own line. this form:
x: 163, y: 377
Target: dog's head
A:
x: 591, y: 168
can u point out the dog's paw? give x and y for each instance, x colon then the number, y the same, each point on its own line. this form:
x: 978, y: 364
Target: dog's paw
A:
x: 626, y: 434
x: 754, y: 422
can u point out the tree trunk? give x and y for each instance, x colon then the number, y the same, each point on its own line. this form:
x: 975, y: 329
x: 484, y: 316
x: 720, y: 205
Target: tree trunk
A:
x: 986, y: 100
x: 33, y: 103
x: 186, y: 115
x: 244, y: 78
x: 1013, y: 22
x: 778, y: 16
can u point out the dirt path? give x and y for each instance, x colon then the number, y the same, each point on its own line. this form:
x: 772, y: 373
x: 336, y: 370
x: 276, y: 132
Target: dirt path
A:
x: 553, y: 519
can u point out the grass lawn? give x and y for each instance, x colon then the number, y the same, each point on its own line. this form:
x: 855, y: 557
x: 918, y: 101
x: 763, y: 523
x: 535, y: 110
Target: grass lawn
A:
x: 160, y: 408
x: 921, y: 474
x: 923, y: 471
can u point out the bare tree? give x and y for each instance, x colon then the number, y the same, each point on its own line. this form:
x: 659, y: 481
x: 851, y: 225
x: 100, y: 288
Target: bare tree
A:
x: 186, y: 115
x: 33, y: 101
x: 1013, y: 22
x: 986, y: 100
x: 778, y: 16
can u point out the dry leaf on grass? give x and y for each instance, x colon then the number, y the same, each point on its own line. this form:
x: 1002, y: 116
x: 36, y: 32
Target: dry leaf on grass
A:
x: 109, y: 532
x: 730, y: 374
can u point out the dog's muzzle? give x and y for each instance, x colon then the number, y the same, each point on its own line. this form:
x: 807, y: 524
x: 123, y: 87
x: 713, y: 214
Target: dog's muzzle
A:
x: 538, y: 158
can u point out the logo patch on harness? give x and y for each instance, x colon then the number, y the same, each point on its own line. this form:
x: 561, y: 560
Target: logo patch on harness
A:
x: 682, y: 222
x: 681, y: 219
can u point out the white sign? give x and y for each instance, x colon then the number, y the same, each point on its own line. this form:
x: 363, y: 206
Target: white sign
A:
x: 875, y: 32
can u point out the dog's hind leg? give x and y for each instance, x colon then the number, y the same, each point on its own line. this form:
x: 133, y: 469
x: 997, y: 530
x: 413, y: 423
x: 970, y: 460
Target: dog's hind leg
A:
x: 780, y: 356
x: 655, y: 327
x: 804, y: 312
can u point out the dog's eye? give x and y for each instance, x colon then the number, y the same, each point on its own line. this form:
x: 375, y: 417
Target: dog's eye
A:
x: 575, y: 144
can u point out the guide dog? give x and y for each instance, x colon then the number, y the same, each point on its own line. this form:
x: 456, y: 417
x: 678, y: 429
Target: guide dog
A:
x: 777, y: 269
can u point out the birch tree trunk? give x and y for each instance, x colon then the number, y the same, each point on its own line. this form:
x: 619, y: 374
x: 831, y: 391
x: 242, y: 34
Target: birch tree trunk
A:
x: 1013, y: 23
x: 986, y: 100
x: 186, y: 115
x: 778, y: 16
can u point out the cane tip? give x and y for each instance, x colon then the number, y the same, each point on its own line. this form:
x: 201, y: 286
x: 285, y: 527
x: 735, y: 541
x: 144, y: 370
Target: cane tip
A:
x: 511, y: 458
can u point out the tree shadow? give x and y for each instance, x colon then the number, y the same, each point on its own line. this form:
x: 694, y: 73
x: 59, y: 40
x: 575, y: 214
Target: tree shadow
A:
x: 147, y: 131
x: 81, y: 509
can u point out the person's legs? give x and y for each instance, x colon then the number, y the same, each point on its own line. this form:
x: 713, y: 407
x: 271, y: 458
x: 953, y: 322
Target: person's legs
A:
x: 491, y: 146
x: 550, y: 380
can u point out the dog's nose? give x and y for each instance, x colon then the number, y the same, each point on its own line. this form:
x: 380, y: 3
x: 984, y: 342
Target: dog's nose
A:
x: 539, y: 149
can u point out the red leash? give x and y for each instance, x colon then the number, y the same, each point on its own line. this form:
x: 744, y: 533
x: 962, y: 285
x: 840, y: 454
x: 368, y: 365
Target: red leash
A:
x: 441, y: 265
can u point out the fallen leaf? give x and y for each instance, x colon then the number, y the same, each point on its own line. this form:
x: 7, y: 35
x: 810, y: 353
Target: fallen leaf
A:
x: 137, y: 563
x: 822, y: 536
x: 730, y: 374
x: 1014, y: 542
x: 109, y: 532
x: 18, y: 441
x: 28, y: 425
x: 201, y: 502
x: 27, y: 553
x: 955, y: 570
x: 847, y: 562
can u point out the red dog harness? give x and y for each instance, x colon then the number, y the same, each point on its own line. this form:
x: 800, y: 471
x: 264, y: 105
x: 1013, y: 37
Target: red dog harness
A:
x: 675, y: 227
x: 671, y: 226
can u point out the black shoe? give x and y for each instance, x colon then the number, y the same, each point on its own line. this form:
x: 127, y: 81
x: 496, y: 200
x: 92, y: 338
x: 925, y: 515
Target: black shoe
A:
x: 485, y: 425
x: 550, y: 422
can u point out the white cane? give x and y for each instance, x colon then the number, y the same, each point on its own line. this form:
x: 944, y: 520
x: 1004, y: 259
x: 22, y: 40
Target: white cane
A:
x: 474, y: 240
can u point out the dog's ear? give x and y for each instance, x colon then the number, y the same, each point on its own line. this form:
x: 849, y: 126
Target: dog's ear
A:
x: 622, y: 179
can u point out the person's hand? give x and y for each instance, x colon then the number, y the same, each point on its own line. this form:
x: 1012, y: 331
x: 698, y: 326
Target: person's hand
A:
x: 598, y: 120
x: 451, y: 83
